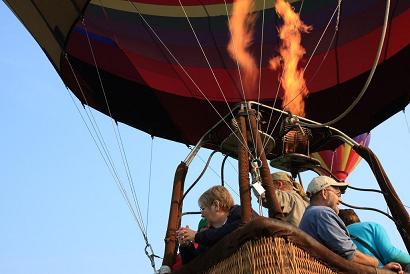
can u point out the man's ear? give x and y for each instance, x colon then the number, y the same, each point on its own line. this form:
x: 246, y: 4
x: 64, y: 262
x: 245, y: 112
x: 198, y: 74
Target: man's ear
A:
x: 323, y: 194
x: 278, y: 184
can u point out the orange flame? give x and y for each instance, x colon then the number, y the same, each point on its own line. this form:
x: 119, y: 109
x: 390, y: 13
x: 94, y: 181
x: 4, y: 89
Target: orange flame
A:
x: 241, y: 28
x: 291, y: 52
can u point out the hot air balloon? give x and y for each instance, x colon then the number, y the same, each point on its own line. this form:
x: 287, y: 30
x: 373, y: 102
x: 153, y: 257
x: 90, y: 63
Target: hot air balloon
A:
x: 343, y: 160
x: 163, y: 67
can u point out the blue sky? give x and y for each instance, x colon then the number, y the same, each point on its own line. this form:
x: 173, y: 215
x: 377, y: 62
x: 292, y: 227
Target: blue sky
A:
x: 60, y: 209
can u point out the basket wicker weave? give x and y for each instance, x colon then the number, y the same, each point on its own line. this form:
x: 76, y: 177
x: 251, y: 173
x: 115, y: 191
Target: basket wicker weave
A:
x: 266, y: 246
x: 270, y: 255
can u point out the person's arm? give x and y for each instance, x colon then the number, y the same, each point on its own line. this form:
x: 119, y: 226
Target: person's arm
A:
x: 285, y: 200
x: 387, y: 250
x: 188, y: 252
x: 332, y: 232
x: 364, y: 259
x: 211, y: 236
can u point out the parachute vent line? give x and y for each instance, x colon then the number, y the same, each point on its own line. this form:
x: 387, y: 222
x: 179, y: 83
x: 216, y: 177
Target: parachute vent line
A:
x: 323, y: 34
x: 222, y: 170
x: 311, y: 56
x: 200, y: 175
x: 301, y: 7
x: 308, y: 123
x: 369, y: 78
x: 183, y: 69
x: 216, y: 173
x: 366, y: 189
x: 317, y: 45
x: 370, y: 209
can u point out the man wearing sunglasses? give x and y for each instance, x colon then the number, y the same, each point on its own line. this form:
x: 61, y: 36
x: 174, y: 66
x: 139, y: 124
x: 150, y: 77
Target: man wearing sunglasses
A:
x: 321, y: 221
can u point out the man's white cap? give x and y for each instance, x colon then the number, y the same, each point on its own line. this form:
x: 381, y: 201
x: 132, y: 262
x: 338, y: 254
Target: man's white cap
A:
x: 322, y: 182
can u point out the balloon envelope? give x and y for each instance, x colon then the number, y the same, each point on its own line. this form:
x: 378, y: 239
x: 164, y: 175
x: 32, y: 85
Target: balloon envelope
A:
x: 143, y: 62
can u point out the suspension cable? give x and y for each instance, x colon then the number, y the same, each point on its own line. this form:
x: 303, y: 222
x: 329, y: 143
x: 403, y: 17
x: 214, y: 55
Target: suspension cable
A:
x: 337, y: 9
x: 369, y: 78
x: 216, y: 173
x: 311, y: 56
x: 369, y: 208
x: 222, y: 170
x: 366, y: 189
x: 149, y: 182
x: 407, y: 122
x: 93, y: 123
x: 115, y: 129
x: 200, y: 175
x: 241, y: 81
x: 207, y: 61
x: 184, y: 70
x: 261, y: 52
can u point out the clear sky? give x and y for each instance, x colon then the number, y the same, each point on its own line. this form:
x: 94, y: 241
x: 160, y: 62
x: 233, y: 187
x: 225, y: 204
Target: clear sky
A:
x: 60, y: 209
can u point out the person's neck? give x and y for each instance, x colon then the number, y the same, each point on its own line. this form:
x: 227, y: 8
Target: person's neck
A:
x: 318, y: 203
x: 221, y: 221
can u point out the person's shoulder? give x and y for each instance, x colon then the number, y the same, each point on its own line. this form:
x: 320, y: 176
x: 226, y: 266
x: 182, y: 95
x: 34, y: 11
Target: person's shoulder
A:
x: 320, y: 210
x: 235, y: 211
x: 375, y: 227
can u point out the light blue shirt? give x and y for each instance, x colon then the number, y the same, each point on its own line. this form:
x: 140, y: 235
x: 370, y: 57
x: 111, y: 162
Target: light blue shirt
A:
x: 376, y: 237
x: 322, y: 223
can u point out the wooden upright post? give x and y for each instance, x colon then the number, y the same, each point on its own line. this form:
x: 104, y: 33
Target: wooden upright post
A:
x: 400, y: 214
x: 174, y: 215
x: 275, y: 210
x: 243, y: 170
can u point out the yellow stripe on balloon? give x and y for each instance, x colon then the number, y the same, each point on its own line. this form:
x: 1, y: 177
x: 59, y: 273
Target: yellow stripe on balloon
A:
x: 347, y: 149
x: 318, y: 157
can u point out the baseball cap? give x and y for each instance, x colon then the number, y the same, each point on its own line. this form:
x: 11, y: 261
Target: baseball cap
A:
x: 322, y: 182
x: 281, y: 176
